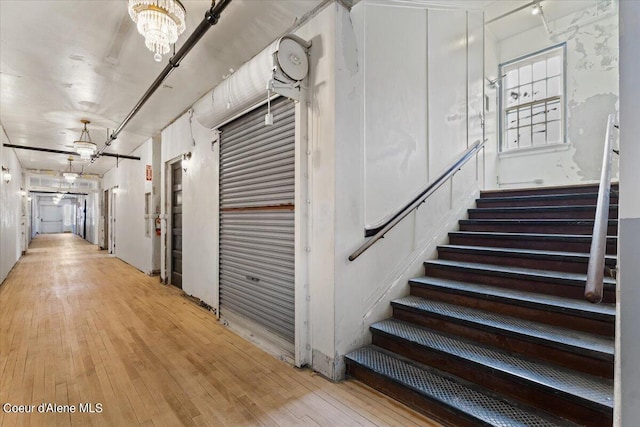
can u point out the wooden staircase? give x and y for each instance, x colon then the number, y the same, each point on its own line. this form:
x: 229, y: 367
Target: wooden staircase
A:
x: 497, y: 332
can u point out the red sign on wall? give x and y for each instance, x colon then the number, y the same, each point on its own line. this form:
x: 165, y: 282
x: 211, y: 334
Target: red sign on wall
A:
x: 149, y: 173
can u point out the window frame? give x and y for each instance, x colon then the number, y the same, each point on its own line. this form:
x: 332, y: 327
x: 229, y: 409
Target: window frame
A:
x: 562, y: 48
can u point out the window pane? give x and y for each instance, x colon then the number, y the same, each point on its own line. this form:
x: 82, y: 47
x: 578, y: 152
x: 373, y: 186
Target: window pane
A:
x: 512, y: 119
x: 525, y: 93
x: 554, y: 86
x: 554, y: 133
x: 553, y: 110
x: 539, y: 70
x: 524, y: 114
x: 512, y: 139
x: 513, y: 97
x: 525, y: 136
x: 554, y: 66
x: 539, y: 134
x: 540, y: 90
x: 512, y: 79
x: 538, y: 115
x: 525, y: 74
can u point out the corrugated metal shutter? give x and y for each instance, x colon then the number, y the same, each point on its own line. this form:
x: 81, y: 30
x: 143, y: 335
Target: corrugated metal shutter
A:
x: 257, y: 218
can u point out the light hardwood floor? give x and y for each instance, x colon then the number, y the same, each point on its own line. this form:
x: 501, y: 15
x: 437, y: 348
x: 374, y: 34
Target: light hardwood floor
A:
x: 78, y: 326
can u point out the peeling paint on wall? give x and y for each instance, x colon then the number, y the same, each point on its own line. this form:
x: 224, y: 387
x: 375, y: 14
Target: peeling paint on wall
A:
x: 585, y: 130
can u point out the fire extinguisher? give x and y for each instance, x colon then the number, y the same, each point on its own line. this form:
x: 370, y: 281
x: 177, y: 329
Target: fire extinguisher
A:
x: 158, y: 226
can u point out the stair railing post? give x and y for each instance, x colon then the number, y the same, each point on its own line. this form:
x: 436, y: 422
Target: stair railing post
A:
x: 595, y: 272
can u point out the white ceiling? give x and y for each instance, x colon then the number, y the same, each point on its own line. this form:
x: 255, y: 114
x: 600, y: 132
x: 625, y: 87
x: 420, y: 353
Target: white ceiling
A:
x: 62, y: 61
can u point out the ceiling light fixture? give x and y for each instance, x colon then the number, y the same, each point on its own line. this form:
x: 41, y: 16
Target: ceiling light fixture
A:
x: 84, y: 146
x: 6, y: 175
x: 70, y: 176
x: 160, y: 22
x: 536, y: 9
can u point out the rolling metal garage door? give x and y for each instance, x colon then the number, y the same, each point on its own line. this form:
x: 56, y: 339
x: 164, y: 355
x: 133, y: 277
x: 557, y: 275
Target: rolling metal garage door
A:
x: 257, y: 218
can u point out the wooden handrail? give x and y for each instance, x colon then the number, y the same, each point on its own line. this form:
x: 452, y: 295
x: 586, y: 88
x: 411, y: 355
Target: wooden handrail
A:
x: 595, y: 272
x: 420, y: 199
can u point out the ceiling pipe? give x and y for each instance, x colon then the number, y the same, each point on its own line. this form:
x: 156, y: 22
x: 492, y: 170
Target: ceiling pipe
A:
x: 66, y: 193
x: 67, y: 153
x: 211, y: 18
x: 511, y: 12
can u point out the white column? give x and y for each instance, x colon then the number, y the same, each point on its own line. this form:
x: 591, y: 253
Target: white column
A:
x: 627, y: 399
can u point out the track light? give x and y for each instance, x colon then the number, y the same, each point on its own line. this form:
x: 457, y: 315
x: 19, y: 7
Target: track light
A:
x: 535, y: 10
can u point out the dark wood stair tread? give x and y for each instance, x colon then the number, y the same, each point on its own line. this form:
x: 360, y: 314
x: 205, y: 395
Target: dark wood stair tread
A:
x: 574, y: 279
x: 588, y: 390
x: 528, y: 236
x: 537, y: 197
x: 569, y: 340
x: 536, y: 221
x: 581, y: 308
x: 561, y: 189
x: 540, y: 212
x: 527, y: 253
x: 458, y: 396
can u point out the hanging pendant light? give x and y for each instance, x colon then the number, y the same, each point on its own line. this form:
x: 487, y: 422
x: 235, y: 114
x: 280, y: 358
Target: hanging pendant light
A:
x: 160, y: 22
x: 84, y: 147
x: 70, y: 176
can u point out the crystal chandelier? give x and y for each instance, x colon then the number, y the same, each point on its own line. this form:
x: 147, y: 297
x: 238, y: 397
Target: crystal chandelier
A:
x: 70, y: 176
x: 84, y: 146
x: 160, y: 22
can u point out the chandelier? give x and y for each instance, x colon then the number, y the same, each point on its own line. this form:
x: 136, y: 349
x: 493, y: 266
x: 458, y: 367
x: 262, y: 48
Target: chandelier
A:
x: 160, y: 22
x: 84, y: 146
x: 70, y: 176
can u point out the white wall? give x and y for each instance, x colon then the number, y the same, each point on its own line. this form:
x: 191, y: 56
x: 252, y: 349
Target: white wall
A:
x: 199, y: 205
x: 592, y: 94
x: 419, y: 78
x: 491, y: 113
x: 11, y: 209
x: 423, y: 124
x: 132, y: 244
x: 627, y: 378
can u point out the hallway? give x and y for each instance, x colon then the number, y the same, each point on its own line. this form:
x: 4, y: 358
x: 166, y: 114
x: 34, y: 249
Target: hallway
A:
x: 78, y: 326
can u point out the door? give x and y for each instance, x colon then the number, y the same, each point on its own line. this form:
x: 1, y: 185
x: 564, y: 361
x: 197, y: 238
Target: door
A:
x: 257, y: 189
x: 112, y: 223
x: 106, y: 220
x: 176, y: 224
x: 51, y: 218
x: 84, y: 220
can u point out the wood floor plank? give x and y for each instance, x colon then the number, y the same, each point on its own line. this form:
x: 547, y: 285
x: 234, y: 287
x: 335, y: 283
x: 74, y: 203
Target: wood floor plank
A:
x: 79, y: 326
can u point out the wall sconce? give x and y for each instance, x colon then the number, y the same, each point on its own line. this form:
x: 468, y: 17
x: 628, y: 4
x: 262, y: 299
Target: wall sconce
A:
x: 6, y: 175
x: 186, y: 158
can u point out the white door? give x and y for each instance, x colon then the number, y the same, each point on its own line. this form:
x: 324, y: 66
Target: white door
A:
x: 51, y: 219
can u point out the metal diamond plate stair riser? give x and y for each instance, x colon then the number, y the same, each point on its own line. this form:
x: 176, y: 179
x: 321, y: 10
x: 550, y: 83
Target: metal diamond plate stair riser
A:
x: 596, y: 390
x: 483, y: 407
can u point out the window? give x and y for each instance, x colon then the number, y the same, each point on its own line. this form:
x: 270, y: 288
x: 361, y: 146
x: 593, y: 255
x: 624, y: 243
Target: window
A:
x: 532, y: 100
